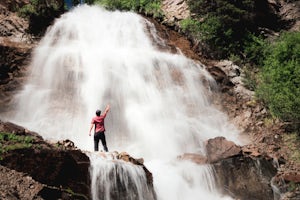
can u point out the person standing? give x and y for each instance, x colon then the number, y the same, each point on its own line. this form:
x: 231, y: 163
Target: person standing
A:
x: 99, y: 128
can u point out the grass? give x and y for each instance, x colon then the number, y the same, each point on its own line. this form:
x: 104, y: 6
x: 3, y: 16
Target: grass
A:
x: 10, y: 141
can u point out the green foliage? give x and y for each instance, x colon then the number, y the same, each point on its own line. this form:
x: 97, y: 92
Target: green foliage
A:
x: 224, y: 24
x: 254, y: 47
x: 10, y: 141
x: 249, y: 78
x: 41, y: 13
x: 37, y: 7
x: 280, y: 77
x: 149, y: 7
x: 190, y: 26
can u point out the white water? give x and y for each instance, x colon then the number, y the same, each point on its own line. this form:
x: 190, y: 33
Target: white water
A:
x: 159, y: 106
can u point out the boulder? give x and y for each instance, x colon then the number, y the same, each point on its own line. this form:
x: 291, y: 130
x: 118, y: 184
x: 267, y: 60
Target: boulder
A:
x: 219, y: 148
x: 243, y: 177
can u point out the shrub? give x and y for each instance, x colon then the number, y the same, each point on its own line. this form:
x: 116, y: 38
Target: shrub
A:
x: 149, y: 7
x: 280, y: 78
x: 190, y: 26
x: 224, y: 24
x: 254, y: 47
x: 41, y: 14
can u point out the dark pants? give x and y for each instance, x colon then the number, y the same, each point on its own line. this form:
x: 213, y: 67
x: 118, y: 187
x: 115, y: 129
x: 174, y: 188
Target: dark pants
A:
x: 100, y: 136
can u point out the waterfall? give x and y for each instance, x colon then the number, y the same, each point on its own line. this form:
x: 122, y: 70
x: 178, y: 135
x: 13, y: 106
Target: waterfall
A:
x: 113, y: 179
x: 160, y: 102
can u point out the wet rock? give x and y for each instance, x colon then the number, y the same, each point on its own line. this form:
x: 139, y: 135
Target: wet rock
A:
x: 127, y: 158
x: 196, y: 158
x: 219, y: 148
x: 243, y: 177
x: 123, y: 179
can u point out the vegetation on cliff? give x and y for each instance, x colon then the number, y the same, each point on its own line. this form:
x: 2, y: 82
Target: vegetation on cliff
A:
x: 148, y: 7
x: 10, y: 141
x: 41, y: 14
x: 221, y: 26
x: 280, y: 78
x: 231, y: 29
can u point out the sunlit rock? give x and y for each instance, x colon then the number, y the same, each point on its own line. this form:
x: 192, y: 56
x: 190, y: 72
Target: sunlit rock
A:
x: 219, y: 148
x: 196, y: 158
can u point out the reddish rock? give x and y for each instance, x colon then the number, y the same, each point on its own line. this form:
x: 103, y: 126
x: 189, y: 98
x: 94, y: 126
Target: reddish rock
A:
x: 292, y: 177
x: 219, y: 148
x: 196, y: 158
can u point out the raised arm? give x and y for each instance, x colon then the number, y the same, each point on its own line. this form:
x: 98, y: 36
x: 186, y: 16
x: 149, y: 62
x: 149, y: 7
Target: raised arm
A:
x: 107, y: 109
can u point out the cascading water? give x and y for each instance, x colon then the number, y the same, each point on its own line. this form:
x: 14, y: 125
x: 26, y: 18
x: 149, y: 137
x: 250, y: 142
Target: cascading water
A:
x: 160, y: 106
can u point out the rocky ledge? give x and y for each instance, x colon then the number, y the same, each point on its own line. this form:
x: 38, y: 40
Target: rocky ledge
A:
x: 36, y: 169
x: 245, y: 173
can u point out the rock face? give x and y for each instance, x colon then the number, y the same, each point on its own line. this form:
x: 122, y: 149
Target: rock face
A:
x: 53, y: 171
x: 17, y: 185
x: 236, y: 173
x: 175, y: 10
x: 66, y: 169
x: 15, y: 49
x: 57, y: 168
x: 290, y: 12
x: 245, y: 178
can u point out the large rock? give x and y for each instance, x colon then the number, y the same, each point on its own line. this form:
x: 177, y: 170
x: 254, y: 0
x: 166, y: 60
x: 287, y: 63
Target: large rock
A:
x: 219, y: 149
x: 244, y: 177
x: 238, y: 174
x: 61, y: 171
x: 52, y: 165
